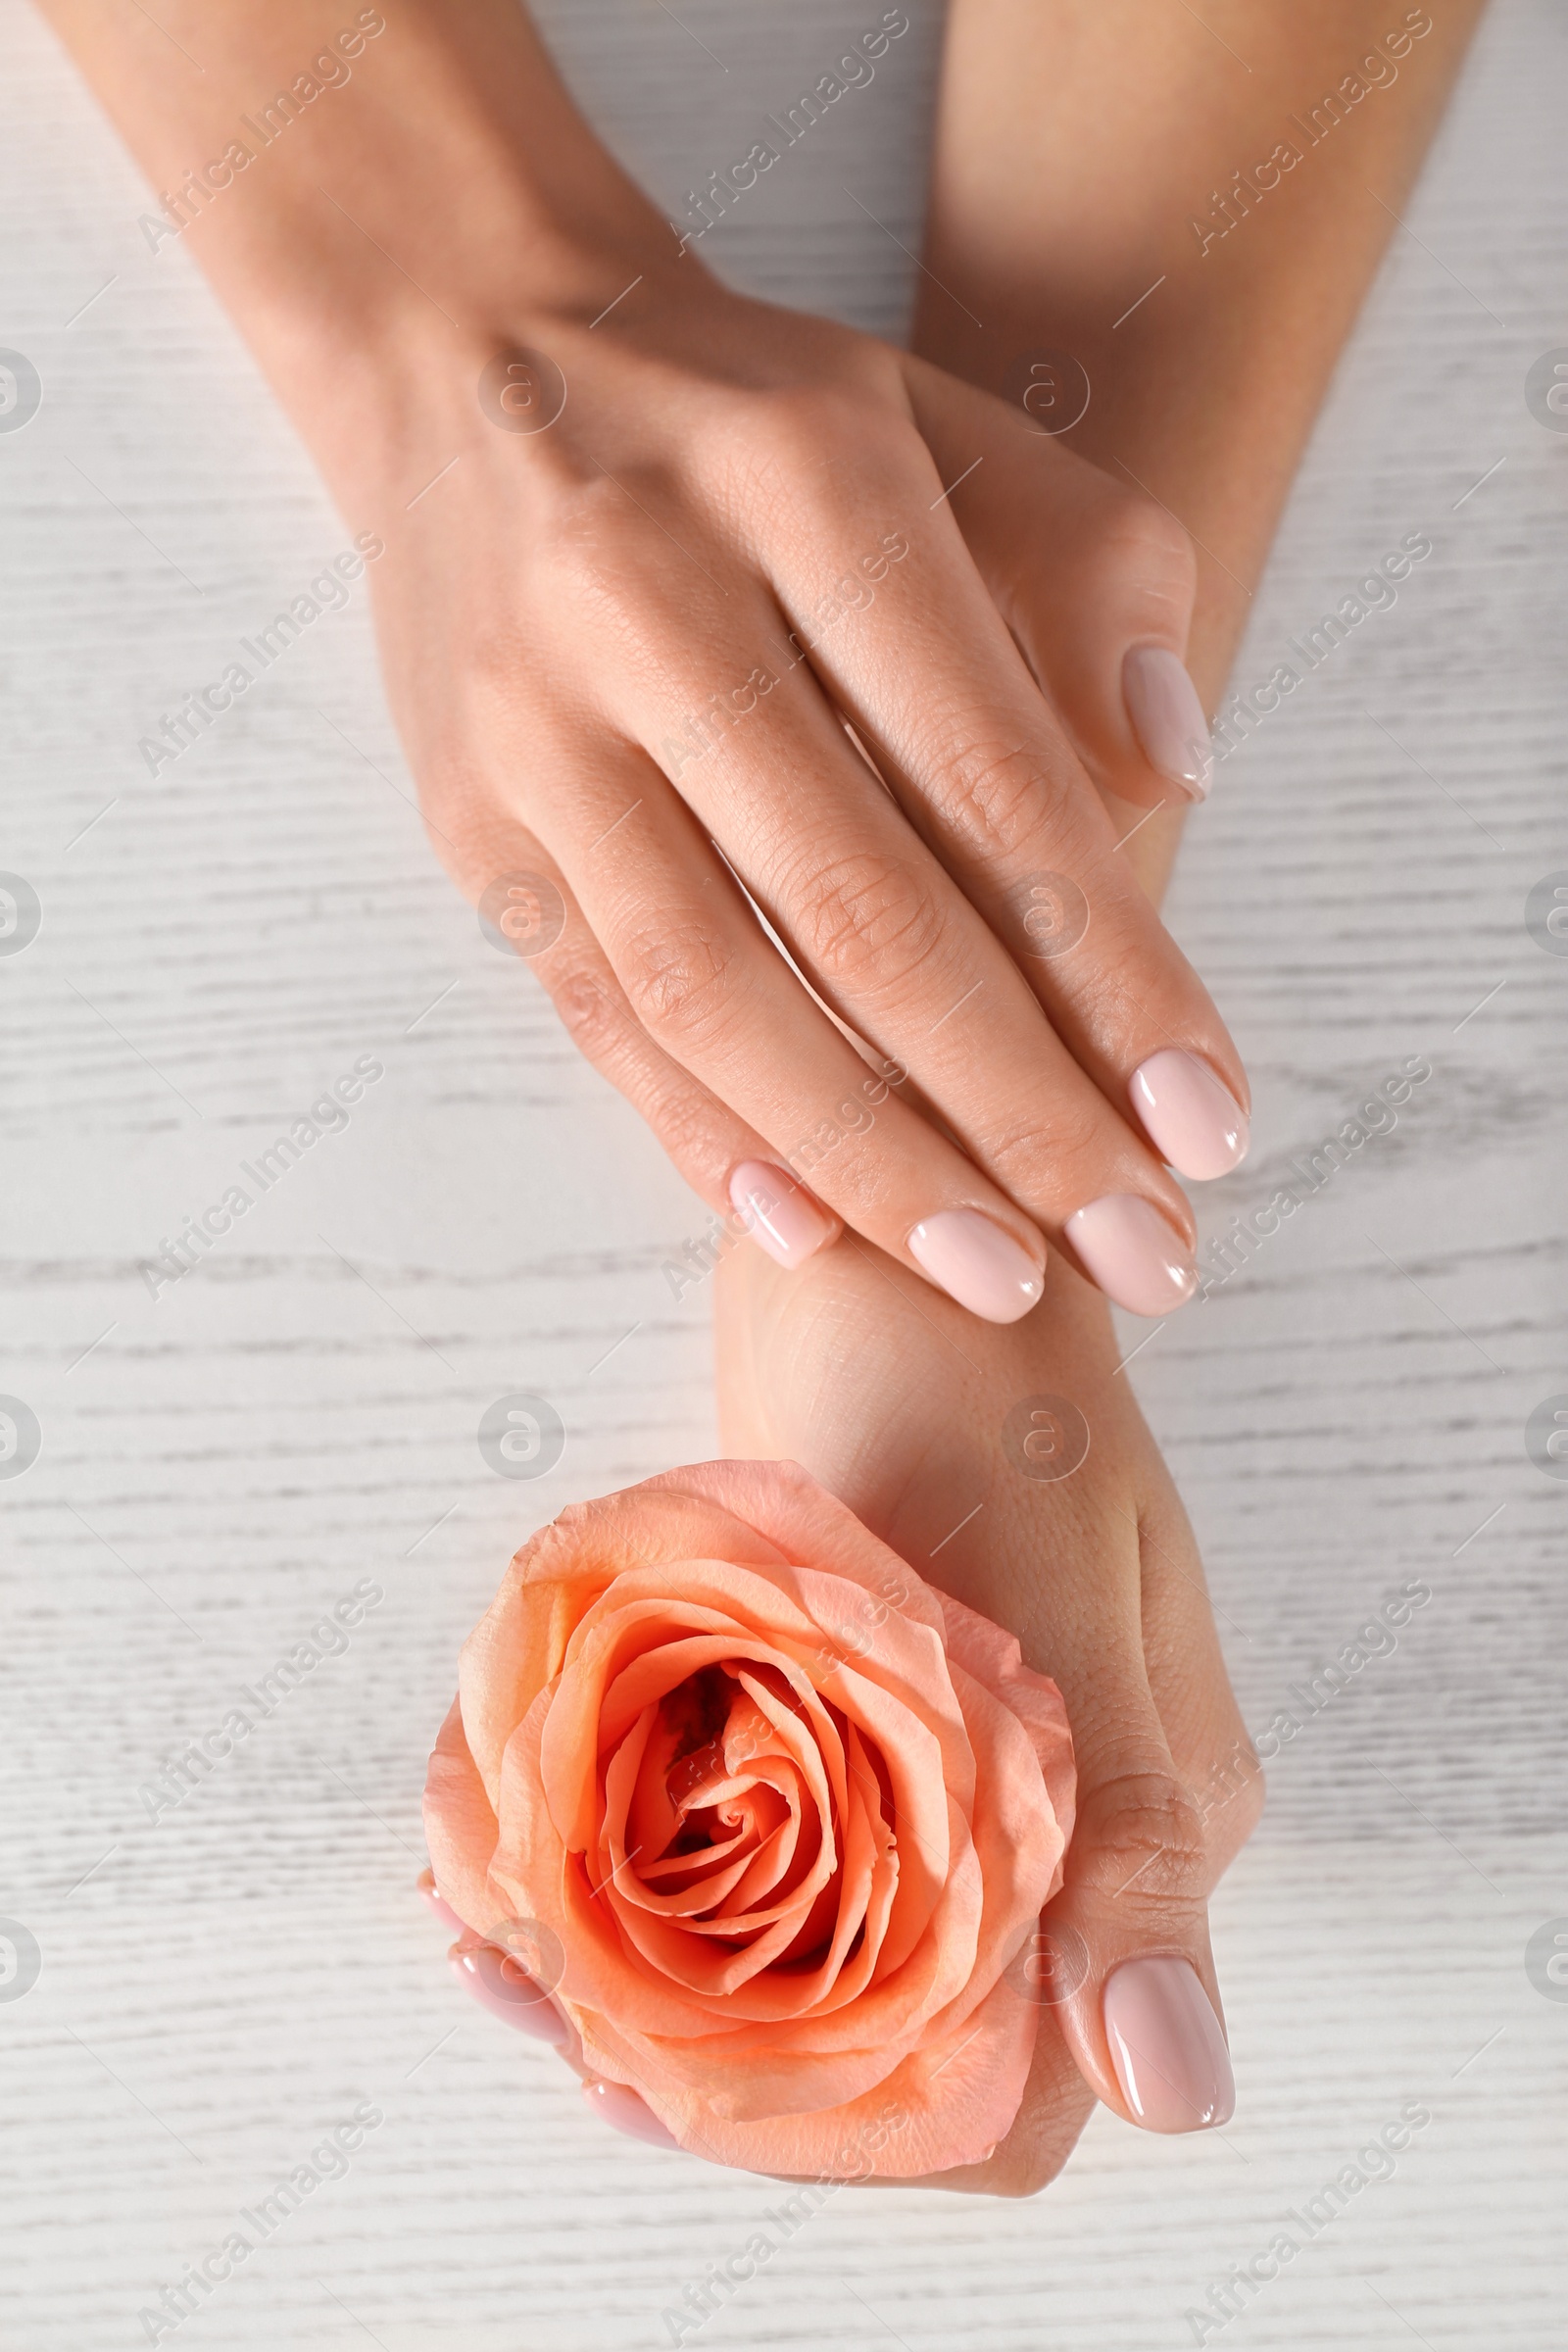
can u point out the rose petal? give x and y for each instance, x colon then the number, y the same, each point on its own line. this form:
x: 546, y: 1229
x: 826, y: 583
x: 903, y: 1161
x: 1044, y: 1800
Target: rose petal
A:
x: 994, y: 1659
x: 459, y: 1828
x: 941, y: 2106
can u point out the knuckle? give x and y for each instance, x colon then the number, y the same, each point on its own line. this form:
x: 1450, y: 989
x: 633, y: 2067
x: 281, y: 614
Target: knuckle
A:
x: 1248, y: 1813
x: 688, y: 1123
x: 597, y: 537
x: 1061, y: 1147
x: 466, y: 815
x: 499, y: 678
x: 1027, y: 2173
x: 824, y: 448
x: 591, y: 1011
x: 693, y: 1130
x: 446, y: 796
x: 1000, y: 798
x: 1055, y: 2107
x: 867, y: 921
x: 679, y: 980
x: 1234, y: 1806
x: 808, y: 423
x: 600, y: 555
x: 1141, y: 1839
x: 1144, y: 548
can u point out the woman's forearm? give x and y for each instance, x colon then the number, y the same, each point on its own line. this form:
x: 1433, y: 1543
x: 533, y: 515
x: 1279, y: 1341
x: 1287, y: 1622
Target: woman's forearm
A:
x: 1193, y: 205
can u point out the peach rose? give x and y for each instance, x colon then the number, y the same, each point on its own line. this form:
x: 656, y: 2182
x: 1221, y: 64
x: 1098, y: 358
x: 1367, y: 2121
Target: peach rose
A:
x: 787, y: 1811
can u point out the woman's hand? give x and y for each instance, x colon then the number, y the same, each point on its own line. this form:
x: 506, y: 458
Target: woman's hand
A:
x: 653, y: 552
x: 1014, y: 1469
x: 626, y: 642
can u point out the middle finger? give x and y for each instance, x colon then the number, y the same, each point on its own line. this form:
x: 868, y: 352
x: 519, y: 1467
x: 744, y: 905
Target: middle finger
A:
x: 986, y: 776
x: 890, y: 942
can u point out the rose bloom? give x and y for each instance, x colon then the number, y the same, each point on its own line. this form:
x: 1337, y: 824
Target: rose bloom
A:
x: 790, y: 1812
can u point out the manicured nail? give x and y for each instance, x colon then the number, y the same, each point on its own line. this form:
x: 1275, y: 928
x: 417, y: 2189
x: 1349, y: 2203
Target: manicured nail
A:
x: 1190, y: 1119
x: 438, y: 1903
x: 624, y: 2110
x: 499, y: 1985
x: 1169, y: 718
x: 1132, y: 1253
x: 779, y: 1214
x: 1167, y: 2046
x: 975, y: 1263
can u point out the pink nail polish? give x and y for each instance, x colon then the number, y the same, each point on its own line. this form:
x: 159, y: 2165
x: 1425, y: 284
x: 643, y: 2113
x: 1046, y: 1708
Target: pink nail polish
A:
x: 625, y: 2112
x: 781, y: 1217
x: 437, y: 1902
x: 1167, y: 718
x: 495, y: 1980
x: 1167, y: 2046
x: 975, y: 1263
x: 1135, y: 1257
x: 1191, y: 1120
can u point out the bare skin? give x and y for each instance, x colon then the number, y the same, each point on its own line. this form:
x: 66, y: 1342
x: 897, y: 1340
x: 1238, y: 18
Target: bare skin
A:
x: 894, y: 1402
x: 1075, y: 147
x: 632, y: 590
x: 620, y: 647
x: 1076, y: 150
x: 918, y: 1421
x: 877, y: 1390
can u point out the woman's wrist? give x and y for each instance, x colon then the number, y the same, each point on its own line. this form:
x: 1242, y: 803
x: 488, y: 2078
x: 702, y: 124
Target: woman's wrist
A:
x: 377, y: 201
x: 371, y: 353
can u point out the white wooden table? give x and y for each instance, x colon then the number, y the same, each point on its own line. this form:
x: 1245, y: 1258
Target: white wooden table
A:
x: 221, y: 1465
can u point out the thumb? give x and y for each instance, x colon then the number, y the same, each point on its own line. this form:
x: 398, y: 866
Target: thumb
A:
x: 1124, y: 1953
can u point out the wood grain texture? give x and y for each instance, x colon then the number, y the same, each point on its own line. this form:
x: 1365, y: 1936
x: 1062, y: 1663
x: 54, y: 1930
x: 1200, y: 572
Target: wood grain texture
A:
x: 221, y: 1987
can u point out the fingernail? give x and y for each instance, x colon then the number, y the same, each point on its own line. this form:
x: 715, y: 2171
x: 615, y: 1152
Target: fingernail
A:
x: 780, y: 1216
x: 1132, y: 1253
x: 1167, y: 718
x: 975, y: 1263
x: 1190, y: 1119
x: 438, y: 1903
x: 499, y: 1985
x: 1167, y: 2046
x: 624, y: 2110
